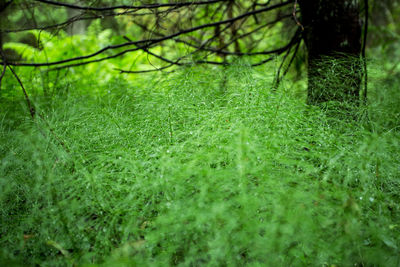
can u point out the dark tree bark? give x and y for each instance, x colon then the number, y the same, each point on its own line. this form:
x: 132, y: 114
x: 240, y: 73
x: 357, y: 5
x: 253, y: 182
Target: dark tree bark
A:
x: 332, y: 34
x: 3, y: 5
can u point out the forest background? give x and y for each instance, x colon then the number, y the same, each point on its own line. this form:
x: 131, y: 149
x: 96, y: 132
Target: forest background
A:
x: 204, y: 148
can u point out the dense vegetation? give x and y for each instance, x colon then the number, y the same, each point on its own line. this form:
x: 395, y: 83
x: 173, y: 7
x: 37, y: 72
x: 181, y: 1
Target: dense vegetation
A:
x: 186, y: 169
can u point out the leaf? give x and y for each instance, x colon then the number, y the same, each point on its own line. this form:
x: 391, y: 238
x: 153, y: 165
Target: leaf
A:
x: 389, y: 242
x: 58, y: 247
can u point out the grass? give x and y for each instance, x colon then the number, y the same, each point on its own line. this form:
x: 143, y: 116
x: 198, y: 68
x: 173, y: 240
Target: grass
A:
x: 189, y: 170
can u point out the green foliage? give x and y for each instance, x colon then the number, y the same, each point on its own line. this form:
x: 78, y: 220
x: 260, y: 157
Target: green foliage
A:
x: 335, y: 79
x: 384, y: 34
x: 202, y: 167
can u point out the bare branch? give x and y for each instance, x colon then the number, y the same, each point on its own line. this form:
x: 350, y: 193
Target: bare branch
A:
x: 148, y: 42
x: 262, y: 62
x: 224, y: 63
x: 295, y: 16
x: 280, y: 77
x: 28, y: 101
x: 154, y: 55
x: 80, y: 18
x: 146, y: 6
x: 94, y: 60
x: 144, y: 71
x: 225, y: 52
x: 176, y: 62
x: 295, y: 40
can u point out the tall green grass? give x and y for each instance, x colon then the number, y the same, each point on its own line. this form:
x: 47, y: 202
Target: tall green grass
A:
x: 190, y: 170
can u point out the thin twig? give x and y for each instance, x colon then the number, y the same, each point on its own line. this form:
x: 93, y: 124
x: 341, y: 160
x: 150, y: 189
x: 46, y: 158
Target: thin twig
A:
x: 32, y: 110
x: 148, y: 42
x: 262, y: 62
x: 176, y: 62
x: 225, y: 52
x: 28, y: 101
x: 148, y: 6
x: 274, y: 51
x: 80, y: 17
x: 294, y: 40
x: 279, y: 78
x: 295, y: 16
x: 151, y: 53
x: 143, y: 71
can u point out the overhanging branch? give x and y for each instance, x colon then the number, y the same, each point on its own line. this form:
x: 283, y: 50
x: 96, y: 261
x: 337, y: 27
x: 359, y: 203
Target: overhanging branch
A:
x: 146, y: 42
x: 146, y: 6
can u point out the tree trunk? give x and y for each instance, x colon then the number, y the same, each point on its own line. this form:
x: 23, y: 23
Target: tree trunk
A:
x: 332, y: 34
x: 3, y: 5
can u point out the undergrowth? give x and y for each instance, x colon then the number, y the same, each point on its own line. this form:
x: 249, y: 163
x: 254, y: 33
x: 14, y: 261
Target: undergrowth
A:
x: 196, y: 168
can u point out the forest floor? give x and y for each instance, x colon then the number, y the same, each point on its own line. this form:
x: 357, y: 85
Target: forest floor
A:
x: 195, y: 169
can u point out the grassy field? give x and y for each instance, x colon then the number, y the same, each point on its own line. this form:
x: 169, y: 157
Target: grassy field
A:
x: 199, y: 168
